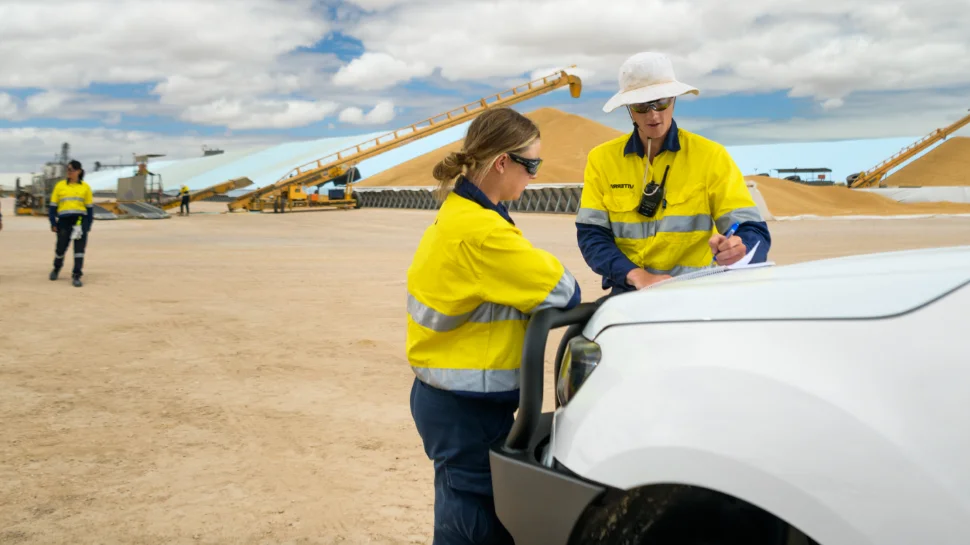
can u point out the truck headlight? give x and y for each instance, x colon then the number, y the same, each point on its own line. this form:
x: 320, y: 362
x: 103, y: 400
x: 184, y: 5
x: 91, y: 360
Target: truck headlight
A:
x: 578, y: 361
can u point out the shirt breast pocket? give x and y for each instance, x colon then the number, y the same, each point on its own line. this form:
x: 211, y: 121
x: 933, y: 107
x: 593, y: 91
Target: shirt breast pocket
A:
x: 689, y: 204
x: 622, y: 199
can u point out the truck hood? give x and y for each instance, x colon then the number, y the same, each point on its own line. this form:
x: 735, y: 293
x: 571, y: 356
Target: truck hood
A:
x: 856, y: 287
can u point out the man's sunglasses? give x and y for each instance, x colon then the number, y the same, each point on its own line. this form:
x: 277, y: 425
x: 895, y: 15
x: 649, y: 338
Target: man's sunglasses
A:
x: 658, y: 105
x: 531, y: 165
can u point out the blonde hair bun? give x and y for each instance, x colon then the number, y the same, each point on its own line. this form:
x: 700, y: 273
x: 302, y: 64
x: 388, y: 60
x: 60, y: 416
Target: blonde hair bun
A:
x: 494, y: 132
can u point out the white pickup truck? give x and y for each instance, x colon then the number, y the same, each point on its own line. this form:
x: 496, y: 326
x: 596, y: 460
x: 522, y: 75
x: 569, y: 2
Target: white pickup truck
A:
x: 823, y: 403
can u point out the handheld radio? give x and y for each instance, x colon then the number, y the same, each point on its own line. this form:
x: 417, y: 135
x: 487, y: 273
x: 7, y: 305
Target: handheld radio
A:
x: 653, y: 196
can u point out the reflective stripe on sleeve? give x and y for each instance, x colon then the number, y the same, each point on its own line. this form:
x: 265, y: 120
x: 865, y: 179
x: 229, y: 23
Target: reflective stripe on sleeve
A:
x: 561, y: 294
x: 591, y: 216
x: 469, y: 380
x: 739, y: 215
x: 669, y: 224
x: 676, y: 271
x: 484, y: 313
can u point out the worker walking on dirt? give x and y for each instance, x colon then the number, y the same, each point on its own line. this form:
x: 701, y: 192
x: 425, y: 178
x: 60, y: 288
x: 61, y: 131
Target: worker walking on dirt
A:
x: 71, y: 213
x: 184, y: 193
x: 662, y: 201
x: 472, y: 285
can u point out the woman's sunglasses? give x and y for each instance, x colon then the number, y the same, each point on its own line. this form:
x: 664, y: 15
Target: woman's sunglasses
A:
x: 658, y: 105
x: 531, y: 165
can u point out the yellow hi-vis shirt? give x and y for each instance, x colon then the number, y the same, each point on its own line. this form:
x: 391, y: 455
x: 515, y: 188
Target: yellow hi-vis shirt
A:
x: 71, y: 199
x: 472, y: 285
x: 705, y: 191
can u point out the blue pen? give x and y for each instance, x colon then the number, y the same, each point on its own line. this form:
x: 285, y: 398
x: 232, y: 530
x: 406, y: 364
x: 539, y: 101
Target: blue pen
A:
x: 729, y: 234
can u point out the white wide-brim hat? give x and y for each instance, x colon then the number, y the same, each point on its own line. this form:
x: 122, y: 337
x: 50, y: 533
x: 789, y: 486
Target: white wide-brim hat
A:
x: 645, y: 77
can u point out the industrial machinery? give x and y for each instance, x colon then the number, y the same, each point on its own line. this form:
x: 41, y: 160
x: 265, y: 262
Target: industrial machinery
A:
x: 143, y: 195
x: 338, y: 164
x: 168, y: 203
x: 138, y: 196
x: 876, y: 174
x: 295, y: 197
x: 32, y: 200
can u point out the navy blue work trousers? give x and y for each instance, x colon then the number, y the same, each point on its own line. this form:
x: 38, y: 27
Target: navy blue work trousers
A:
x: 457, y: 432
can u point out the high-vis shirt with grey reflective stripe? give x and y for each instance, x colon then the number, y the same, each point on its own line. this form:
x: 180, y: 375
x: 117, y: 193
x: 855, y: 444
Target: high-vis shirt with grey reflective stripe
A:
x: 430, y: 318
x: 71, y: 198
x: 704, y: 193
x: 483, y: 314
x: 472, y: 287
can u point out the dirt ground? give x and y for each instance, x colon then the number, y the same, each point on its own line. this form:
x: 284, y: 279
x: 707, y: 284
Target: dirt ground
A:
x: 241, y: 378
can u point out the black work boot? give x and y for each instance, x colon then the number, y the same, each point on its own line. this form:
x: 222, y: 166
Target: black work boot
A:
x: 77, y: 282
x: 54, y: 274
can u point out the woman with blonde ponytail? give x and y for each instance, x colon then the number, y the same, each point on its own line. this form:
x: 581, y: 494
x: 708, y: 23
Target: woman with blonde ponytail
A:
x: 472, y: 286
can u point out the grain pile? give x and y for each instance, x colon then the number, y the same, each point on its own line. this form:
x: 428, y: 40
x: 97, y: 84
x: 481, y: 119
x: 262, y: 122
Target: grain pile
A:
x: 945, y: 165
x: 566, y: 140
x: 785, y: 198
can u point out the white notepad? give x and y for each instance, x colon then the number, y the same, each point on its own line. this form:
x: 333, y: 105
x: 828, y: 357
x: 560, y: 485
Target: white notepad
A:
x: 743, y: 263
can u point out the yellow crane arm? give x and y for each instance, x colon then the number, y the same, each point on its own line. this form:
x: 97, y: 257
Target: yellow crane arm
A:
x: 875, y: 174
x: 318, y: 170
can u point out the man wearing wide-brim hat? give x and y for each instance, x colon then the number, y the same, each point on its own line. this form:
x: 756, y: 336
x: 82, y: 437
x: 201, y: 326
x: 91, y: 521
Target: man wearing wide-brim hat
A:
x: 658, y: 202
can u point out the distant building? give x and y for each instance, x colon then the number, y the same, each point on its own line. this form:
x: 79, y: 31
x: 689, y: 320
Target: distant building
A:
x: 811, y: 176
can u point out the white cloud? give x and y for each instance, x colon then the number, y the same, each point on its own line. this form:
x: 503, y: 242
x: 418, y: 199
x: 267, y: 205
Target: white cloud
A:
x: 8, y: 106
x: 70, y: 105
x: 582, y: 73
x: 43, y: 104
x: 146, y: 40
x: 238, y: 114
x: 910, y: 114
x: 824, y: 49
x: 240, y: 64
x: 26, y: 149
x: 382, y: 113
x: 873, y: 115
x: 197, y: 52
x: 833, y: 103
x: 376, y: 5
x: 373, y: 71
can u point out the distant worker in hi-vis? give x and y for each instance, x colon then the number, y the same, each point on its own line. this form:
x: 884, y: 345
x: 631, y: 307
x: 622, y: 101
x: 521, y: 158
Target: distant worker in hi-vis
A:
x: 662, y: 201
x: 184, y: 194
x: 472, y: 285
x: 71, y: 213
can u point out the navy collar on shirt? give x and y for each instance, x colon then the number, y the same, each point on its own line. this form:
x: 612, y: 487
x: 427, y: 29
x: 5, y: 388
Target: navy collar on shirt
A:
x: 467, y: 189
x: 670, y: 143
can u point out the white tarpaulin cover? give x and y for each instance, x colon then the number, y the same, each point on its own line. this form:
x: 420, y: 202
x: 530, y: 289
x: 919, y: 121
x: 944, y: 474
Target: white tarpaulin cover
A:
x: 759, y: 200
x: 923, y: 194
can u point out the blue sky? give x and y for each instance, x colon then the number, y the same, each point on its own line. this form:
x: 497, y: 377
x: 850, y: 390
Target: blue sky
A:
x: 257, y: 72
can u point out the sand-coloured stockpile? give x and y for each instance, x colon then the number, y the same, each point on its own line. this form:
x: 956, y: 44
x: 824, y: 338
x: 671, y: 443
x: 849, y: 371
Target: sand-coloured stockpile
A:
x: 785, y: 198
x: 945, y: 165
x: 566, y: 140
